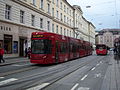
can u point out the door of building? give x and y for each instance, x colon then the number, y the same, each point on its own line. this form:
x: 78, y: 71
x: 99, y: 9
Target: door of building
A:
x: 21, y: 47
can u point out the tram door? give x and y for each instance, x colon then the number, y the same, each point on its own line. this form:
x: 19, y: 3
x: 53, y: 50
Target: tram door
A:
x: 57, y: 52
x: 21, y: 47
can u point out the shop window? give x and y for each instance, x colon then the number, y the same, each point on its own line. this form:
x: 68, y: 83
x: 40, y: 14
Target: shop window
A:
x: 1, y: 43
x: 15, y: 47
x: 8, y: 44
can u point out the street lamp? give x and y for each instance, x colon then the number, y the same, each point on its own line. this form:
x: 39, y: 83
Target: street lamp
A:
x: 88, y: 6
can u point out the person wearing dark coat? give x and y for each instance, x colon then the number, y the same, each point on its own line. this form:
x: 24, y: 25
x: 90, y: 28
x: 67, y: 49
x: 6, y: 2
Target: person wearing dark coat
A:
x: 29, y: 52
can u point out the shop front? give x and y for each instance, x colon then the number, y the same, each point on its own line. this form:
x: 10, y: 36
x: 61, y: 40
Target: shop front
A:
x: 10, y: 40
x: 15, y: 39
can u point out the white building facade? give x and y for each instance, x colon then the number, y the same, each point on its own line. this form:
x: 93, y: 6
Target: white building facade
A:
x: 19, y: 18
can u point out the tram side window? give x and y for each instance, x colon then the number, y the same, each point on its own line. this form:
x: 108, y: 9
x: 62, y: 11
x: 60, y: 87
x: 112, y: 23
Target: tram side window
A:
x: 74, y: 48
x: 48, y: 46
x: 63, y: 47
x: 77, y: 47
x: 71, y: 46
x: 80, y: 47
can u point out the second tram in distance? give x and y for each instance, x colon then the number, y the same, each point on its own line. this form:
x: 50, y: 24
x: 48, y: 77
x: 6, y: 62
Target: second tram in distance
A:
x: 101, y: 49
x: 49, y: 48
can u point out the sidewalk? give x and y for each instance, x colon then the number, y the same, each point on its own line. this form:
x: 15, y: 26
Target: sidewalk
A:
x: 112, y: 77
x: 9, y: 61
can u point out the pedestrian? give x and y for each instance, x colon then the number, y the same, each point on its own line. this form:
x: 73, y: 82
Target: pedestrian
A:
x: 25, y: 52
x: 29, y: 52
x: 1, y: 54
x: 115, y: 50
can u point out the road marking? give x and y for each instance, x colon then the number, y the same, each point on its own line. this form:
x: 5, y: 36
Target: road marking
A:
x: 38, y: 87
x: 93, y: 69
x: 1, y: 77
x: 73, y: 88
x: 97, y: 64
x: 7, y: 81
x: 84, y: 77
x: 15, y: 65
x: 83, y: 88
x: 97, y: 75
x: 19, y: 65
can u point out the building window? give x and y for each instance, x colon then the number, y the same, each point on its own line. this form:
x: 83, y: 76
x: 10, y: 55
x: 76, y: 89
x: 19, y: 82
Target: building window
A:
x: 57, y: 14
x: 48, y: 25
x: 64, y: 19
x: 41, y: 4
x: 64, y: 8
x: 70, y: 33
x: 56, y: 28
x: 33, y: 2
x: 67, y: 10
x: 41, y: 23
x: 48, y: 8
x: 53, y: 1
x: 53, y: 12
x: 67, y: 20
x: 70, y: 12
x: 8, y: 12
x: 70, y: 22
x: 61, y: 17
x: 21, y: 16
x: 61, y: 30
x: 32, y: 20
x: 61, y: 5
x: 64, y: 31
x: 52, y: 27
x: 8, y: 44
x: 67, y: 32
x: 57, y: 2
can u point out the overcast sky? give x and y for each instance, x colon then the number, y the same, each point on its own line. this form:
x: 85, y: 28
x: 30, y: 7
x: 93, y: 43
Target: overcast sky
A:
x: 102, y: 13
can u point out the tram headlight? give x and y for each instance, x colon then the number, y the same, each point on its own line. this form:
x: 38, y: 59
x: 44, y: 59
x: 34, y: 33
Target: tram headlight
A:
x: 44, y: 57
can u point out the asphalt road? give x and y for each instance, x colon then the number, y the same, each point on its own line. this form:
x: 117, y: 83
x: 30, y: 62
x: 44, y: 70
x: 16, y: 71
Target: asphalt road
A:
x: 87, y: 73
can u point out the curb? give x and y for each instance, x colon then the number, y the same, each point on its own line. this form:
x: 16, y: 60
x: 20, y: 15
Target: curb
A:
x: 5, y: 64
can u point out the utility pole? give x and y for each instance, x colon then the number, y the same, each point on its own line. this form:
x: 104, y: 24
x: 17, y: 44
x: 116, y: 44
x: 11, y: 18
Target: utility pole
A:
x: 119, y: 23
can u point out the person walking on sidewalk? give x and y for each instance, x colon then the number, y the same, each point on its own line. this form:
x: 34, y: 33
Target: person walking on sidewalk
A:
x: 1, y: 54
x: 29, y: 52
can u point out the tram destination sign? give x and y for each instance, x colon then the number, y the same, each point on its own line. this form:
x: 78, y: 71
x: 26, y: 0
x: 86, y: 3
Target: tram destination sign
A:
x: 37, y: 36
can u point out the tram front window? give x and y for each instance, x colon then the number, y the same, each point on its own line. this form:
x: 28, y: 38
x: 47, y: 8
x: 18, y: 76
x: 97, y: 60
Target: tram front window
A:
x: 41, y: 46
x: 100, y: 47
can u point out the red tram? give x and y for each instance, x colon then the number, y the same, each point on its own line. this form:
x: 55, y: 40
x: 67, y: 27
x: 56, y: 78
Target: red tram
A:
x: 101, y: 49
x: 49, y: 48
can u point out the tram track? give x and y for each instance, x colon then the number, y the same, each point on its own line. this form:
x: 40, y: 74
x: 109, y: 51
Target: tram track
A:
x: 21, y: 70
x: 17, y: 71
x: 54, y: 75
x: 71, y: 72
